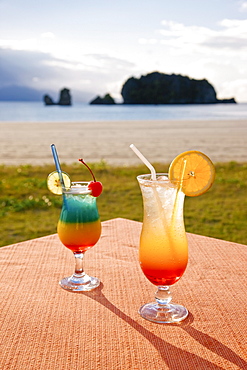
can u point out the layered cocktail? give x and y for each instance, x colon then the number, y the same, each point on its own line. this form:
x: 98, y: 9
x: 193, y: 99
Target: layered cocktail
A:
x: 79, y: 226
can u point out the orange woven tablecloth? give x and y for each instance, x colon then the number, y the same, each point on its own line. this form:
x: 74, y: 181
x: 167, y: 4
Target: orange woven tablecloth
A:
x: 45, y: 327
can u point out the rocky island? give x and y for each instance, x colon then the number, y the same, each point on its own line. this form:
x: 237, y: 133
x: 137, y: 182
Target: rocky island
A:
x: 64, y: 99
x: 107, y: 99
x: 161, y: 88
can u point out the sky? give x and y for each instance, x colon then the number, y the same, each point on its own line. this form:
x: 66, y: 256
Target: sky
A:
x: 93, y: 47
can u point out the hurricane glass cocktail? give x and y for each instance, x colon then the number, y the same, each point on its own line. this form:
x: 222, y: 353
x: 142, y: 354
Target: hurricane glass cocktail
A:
x: 79, y: 229
x: 163, y: 251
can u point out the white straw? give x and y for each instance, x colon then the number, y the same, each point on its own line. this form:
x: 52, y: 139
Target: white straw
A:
x: 144, y: 160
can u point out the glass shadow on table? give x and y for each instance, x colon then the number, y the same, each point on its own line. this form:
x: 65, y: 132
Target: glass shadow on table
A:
x: 165, y: 348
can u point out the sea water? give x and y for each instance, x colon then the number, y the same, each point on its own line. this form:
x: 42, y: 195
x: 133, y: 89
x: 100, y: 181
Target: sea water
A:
x: 38, y: 112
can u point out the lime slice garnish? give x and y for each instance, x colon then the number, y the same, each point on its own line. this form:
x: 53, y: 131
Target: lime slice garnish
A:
x: 53, y: 182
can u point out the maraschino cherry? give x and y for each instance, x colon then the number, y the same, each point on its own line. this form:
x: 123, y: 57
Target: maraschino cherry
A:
x: 95, y: 186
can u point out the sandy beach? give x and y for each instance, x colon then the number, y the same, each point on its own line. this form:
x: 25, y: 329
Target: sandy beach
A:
x: 160, y: 141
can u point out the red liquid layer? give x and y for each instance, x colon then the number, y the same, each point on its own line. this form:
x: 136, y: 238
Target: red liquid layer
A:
x: 163, y: 277
x: 163, y: 256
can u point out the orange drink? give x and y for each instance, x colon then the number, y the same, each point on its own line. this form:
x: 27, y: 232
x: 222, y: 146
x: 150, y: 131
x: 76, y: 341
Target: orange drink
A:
x: 163, y: 251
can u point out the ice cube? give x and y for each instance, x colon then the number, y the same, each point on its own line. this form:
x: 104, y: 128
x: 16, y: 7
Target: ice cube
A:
x: 162, y: 178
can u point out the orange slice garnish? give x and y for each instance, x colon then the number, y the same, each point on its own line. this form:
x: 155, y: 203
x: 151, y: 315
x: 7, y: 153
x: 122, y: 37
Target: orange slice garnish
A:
x: 194, y: 171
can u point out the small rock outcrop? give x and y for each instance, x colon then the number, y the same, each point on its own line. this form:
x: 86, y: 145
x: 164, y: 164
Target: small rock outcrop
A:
x: 160, y: 88
x: 107, y: 99
x: 48, y: 100
x: 64, y: 99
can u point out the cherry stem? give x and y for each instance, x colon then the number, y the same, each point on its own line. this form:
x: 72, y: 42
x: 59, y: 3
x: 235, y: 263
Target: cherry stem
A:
x: 82, y: 161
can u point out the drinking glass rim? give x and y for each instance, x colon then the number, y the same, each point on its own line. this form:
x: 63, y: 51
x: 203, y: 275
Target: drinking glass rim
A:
x: 145, y: 179
x: 75, y: 189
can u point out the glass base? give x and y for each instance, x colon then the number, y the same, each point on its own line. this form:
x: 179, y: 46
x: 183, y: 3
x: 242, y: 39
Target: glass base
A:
x: 163, y: 314
x: 79, y: 284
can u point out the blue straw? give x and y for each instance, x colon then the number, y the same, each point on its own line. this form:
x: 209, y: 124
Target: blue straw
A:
x: 57, y: 164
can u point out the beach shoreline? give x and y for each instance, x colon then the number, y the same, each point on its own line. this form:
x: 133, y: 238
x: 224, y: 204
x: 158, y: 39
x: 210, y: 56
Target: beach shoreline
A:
x: 160, y: 141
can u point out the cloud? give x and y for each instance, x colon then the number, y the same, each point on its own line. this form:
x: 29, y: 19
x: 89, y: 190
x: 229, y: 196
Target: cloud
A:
x: 218, y: 54
x: 46, y: 42
x: 232, y: 35
x: 47, y: 35
x: 94, y: 74
x: 177, y: 34
x: 225, y: 42
x: 151, y: 41
x: 21, y: 66
x: 243, y: 6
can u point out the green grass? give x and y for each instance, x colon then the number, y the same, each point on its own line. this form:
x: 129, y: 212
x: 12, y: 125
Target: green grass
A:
x: 28, y: 210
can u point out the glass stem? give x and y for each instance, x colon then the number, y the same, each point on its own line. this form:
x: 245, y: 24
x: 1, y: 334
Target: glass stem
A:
x: 79, y: 271
x: 163, y: 295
